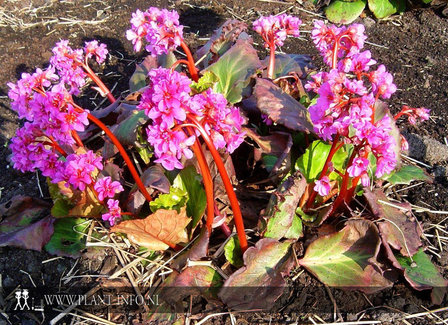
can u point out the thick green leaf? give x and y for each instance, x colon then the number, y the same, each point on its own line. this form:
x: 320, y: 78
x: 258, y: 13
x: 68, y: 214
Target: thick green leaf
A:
x: 421, y: 274
x: 25, y: 224
x: 347, y: 258
x: 234, y: 70
x: 282, y: 221
x: 280, y: 107
x: 126, y: 132
x: 289, y: 63
x: 313, y: 160
x: 384, y: 8
x: 68, y: 239
x: 138, y: 78
x: 174, y: 200
x: 232, y: 252
x: 189, y: 181
x: 344, y: 11
x: 260, y: 282
x: 205, y: 82
x: 406, y: 174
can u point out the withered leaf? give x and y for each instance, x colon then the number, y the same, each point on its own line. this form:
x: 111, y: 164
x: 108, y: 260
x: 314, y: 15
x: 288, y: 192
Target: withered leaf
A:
x: 158, y: 231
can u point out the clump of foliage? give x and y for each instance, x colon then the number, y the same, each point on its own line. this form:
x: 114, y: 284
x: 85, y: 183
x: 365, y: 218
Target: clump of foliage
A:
x: 324, y: 137
x: 346, y: 11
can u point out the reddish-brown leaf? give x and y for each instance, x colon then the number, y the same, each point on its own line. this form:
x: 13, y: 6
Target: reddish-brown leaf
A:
x: 158, y: 231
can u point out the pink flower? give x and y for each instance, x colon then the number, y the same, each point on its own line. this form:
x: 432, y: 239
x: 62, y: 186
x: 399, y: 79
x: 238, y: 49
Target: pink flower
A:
x: 382, y: 82
x: 275, y: 29
x: 105, y: 187
x: 99, y: 50
x: 322, y: 186
x: 114, y: 213
x: 159, y: 27
x: 358, y: 167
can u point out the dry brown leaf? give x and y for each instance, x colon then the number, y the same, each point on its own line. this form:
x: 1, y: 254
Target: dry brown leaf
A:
x: 158, y: 231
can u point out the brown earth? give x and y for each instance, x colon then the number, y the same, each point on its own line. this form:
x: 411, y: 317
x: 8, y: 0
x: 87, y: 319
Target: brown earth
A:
x: 413, y: 47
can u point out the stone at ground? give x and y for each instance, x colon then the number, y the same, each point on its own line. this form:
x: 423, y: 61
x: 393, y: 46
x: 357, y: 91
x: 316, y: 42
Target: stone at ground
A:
x: 426, y: 148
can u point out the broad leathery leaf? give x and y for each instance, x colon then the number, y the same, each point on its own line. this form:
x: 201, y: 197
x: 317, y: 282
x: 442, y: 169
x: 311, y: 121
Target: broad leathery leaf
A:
x: 313, y: 160
x: 220, y: 41
x: 343, y: 11
x: 347, y: 259
x: 406, y: 174
x: 194, y: 280
x: 273, y: 149
x: 138, y: 78
x: 190, y: 182
x: 158, y: 231
x: 126, y: 132
x: 234, y: 70
x: 205, y: 82
x: 68, y: 239
x: 282, y: 221
x: 261, y: 281
x: 232, y: 252
x: 286, y: 64
x: 397, y: 226
x: 422, y: 274
x: 25, y: 224
x: 174, y: 200
x: 384, y: 8
x: 280, y: 107
x: 86, y: 204
x: 154, y: 177
x: 195, y: 252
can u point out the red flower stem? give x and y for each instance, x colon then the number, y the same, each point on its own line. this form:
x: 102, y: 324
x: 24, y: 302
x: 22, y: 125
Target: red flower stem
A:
x: 98, y: 81
x: 122, y: 151
x: 208, y: 182
x: 77, y: 138
x: 334, y: 148
x: 57, y: 147
x: 191, y: 65
x: 271, y: 67
x: 237, y: 216
x: 175, y: 64
x: 334, y: 62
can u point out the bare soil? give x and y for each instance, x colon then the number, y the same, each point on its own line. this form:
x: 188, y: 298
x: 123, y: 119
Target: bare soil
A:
x: 413, y: 46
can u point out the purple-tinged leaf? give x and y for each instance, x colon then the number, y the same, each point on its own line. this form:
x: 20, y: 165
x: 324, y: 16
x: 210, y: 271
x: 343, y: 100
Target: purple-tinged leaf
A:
x: 280, y: 107
x: 138, y: 78
x: 289, y: 63
x: 347, y: 259
x: 221, y: 40
x: 280, y: 215
x: 422, y: 274
x: 112, y: 170
x: 259, y: 283
x: 126, y: 131
x: 196, y: 252
x: 277, y: 145
x: 397, y: 226
x: 194, y: 280
x: 234, y: 70
x: 23, y: 225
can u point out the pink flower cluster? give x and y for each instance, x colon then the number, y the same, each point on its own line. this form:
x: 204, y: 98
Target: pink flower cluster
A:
x: 69, y: 63
x: 159, y: 27
x: 106, y: 188
x: 114, y: 213
x: 169, y: 104
x: 275, y: 29
x: 347, y: 97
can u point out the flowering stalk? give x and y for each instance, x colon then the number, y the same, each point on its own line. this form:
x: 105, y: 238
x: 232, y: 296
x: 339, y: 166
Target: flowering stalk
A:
x: 191, y: 65
x: 122, y: 151
x: 208, y: 183
x: 237, y: 216
x: 104, y: 89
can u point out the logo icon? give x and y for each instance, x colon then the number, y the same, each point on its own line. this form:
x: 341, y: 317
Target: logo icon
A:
x: 22, y: 297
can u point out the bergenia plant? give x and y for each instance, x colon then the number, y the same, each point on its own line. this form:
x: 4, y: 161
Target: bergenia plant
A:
x: 182, y: 114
